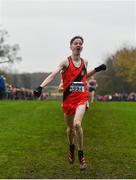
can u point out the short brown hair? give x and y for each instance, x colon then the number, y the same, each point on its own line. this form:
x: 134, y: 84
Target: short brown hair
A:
x: 76, y: 37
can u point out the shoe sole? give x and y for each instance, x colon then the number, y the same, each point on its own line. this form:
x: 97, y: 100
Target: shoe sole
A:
x: 71, y: 162
x: 83, y: 168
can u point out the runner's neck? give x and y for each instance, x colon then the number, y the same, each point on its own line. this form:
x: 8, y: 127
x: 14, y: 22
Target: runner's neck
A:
x: 75, y: 58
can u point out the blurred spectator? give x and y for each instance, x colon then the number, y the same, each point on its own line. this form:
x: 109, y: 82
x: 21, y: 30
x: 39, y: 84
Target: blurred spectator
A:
x: 2, y: 87
x: 13, y: 93
x: 117, y: 97
x: 132, y: 97
x: 7, y: 91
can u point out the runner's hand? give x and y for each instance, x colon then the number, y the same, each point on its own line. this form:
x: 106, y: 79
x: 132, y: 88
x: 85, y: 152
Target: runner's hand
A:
x: 100, y: 68
x: 38, y: 91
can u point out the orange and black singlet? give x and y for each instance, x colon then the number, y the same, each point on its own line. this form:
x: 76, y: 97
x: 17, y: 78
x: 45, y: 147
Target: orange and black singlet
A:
x: 75, y: 88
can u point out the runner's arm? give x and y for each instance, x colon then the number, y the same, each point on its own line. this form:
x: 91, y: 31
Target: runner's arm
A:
x: 60, y: 88
x: 89, y: 74
x: 102, y: 67
x: 51, y: 77
x: 38, y: 91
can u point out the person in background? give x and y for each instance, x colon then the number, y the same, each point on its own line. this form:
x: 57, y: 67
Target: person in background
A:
x: 92, y: 85
x: 2, y: 87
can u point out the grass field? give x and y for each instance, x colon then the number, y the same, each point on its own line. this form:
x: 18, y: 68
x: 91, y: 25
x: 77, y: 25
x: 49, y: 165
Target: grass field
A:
x: 33, y: 141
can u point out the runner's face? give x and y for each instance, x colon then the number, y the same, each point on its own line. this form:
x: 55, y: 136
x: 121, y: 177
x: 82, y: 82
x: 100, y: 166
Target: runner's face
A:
x: 77, y: 46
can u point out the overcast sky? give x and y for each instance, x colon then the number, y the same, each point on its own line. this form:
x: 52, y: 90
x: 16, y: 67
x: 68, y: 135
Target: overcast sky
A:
x: 44, y: 28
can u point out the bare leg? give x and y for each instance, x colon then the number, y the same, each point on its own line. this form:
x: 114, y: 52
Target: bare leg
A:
x: 79, y: 134
x: 70, y: 136
x: 77, y: 124
x: 70, y: 128
x: 92, y: 96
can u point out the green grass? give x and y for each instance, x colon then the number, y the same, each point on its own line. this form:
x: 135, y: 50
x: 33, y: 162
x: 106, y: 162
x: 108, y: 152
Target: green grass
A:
x: 33, y: 141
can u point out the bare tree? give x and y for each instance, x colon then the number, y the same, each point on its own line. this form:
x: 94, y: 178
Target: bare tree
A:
x: 8, y: 53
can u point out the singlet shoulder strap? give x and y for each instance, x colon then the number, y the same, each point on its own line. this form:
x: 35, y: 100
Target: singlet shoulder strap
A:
x: 84, y: 64
x: 69, y: 59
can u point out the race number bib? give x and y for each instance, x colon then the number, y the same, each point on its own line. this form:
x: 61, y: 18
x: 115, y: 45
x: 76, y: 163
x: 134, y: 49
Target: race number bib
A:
x: 77, y: 87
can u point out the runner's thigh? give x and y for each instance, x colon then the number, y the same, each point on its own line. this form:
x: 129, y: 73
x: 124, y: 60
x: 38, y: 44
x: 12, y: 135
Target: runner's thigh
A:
x: 79, y: 113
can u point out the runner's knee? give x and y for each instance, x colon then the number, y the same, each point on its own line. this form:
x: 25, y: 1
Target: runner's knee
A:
x: 70, y: 129
x: 77, y: 126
